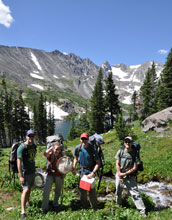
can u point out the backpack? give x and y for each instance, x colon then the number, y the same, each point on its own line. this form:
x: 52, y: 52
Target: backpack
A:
x: 96, y: 140
x: 50, y: 140
x: 13, y: 155
x: 58, y: 138
x: 136, y: 147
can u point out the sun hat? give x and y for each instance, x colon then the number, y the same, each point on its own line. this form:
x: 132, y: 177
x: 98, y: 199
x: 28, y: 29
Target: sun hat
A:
x: 84, y: 135
x: 64, y: 164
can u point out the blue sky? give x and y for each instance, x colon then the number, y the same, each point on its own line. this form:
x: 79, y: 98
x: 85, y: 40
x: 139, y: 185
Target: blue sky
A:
x: 118, y: 31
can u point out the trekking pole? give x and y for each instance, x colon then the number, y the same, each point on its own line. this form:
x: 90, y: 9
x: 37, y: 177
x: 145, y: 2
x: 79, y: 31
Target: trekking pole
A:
x: 100, y: 178
x: 3, y: 181
x: 61, y: 202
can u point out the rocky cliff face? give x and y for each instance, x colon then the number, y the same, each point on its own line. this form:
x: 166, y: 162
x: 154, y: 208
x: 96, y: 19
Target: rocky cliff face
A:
x: 130, y: 78
x: 40, y: 70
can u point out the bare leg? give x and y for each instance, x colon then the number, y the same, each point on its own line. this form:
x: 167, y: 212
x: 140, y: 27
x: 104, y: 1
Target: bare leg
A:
x: 24, y: 198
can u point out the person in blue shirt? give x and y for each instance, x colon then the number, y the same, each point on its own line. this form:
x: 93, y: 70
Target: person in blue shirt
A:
x: 88, y: 158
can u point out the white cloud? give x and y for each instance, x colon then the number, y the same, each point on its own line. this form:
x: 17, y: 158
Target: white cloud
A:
x: 5, y: 15
x: 162, y: 51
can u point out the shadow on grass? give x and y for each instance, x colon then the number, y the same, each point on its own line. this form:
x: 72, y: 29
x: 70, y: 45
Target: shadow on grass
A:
x: 75, y: 206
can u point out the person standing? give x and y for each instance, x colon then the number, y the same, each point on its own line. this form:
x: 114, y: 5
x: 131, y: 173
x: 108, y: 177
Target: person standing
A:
x: 54, y: 176
x: 87, y: 156
x: 127, y: 161
x: 26, y: 153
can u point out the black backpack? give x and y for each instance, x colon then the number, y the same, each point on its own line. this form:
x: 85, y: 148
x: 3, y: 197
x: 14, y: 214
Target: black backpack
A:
x: 136, y: 147
x: 13, y: 155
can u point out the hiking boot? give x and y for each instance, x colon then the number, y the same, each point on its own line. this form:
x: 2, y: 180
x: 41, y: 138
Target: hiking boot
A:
x: 44, y: 211
x: 23, y: 216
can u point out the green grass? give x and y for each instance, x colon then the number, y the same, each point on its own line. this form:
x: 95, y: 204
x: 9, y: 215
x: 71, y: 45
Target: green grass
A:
x: 156, y: 154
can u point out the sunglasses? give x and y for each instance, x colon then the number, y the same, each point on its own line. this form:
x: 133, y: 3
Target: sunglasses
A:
x: 32, y: 136
x: 84, y: 139
x: 128, y: 141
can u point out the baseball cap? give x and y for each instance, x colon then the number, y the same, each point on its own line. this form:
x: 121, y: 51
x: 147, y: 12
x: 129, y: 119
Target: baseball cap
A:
x: 128, y: 138
x: 84, y: 135
x: 30, y: 132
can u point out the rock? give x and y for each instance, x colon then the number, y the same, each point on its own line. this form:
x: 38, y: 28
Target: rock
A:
x: 69, y: 107
x: 157, y: 121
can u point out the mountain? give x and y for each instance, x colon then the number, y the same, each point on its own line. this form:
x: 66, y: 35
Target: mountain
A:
x: 40, y: 70
x: 130, y: 78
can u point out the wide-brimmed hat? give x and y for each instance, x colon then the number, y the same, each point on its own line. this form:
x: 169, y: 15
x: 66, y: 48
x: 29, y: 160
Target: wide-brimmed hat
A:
x: 64, y: 165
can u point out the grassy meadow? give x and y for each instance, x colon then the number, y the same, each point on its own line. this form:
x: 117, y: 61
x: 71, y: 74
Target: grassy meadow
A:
x: 156, y: 153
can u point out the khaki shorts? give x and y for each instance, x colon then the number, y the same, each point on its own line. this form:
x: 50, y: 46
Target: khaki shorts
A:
x: 28, y: 181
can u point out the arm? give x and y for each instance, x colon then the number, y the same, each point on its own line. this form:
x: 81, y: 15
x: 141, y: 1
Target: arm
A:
x: 120, y: 174
x: 92, y: 174
x: 19, y: 160
x: 132, y: 170
x: 48, y: 151
x: 74, y: 165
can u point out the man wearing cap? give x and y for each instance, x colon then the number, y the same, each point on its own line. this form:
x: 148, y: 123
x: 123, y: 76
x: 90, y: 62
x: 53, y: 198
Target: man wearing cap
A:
x: 26, y: 153
x: 88, y: 158
x: 127, y: 161
x: 53, y: 154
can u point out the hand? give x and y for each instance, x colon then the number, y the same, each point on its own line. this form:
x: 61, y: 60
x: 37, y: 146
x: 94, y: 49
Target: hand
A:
x: 121, y: 180
x: 121, y: 175
x: 22, y: 180
x: 74, y: 171
x: 91, y: 175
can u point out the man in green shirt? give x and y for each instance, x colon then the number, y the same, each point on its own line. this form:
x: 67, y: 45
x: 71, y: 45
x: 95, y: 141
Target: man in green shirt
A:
x: 26, y: 167
x: 127, y: 161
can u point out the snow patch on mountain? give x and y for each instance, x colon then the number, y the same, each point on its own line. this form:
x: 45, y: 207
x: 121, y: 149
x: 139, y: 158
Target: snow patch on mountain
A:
x: 57, y: 111
x: 135, y: 66
x: 38, y: 86
x: 36, y: 61
x: 36, y: 76
x: 55, y: 76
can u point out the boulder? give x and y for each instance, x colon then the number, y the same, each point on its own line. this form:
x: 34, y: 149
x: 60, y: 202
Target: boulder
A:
x: 158, y: 121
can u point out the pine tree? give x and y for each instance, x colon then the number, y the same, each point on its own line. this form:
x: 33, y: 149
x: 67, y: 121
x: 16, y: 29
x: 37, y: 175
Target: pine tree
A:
x: 154, y: 84
x: 134, y: 106
x: 122, y: 128
x: 41, y: 120
x: 72, y: 132
x: 145, y: 92
x: 97, y: 106
x: 20, y: 119
x: 2, y: 126
x: 165, y: 98
x: 83, y: 125
x: 111, y: 100
x: 8, y: 101
x: 50, y: 122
